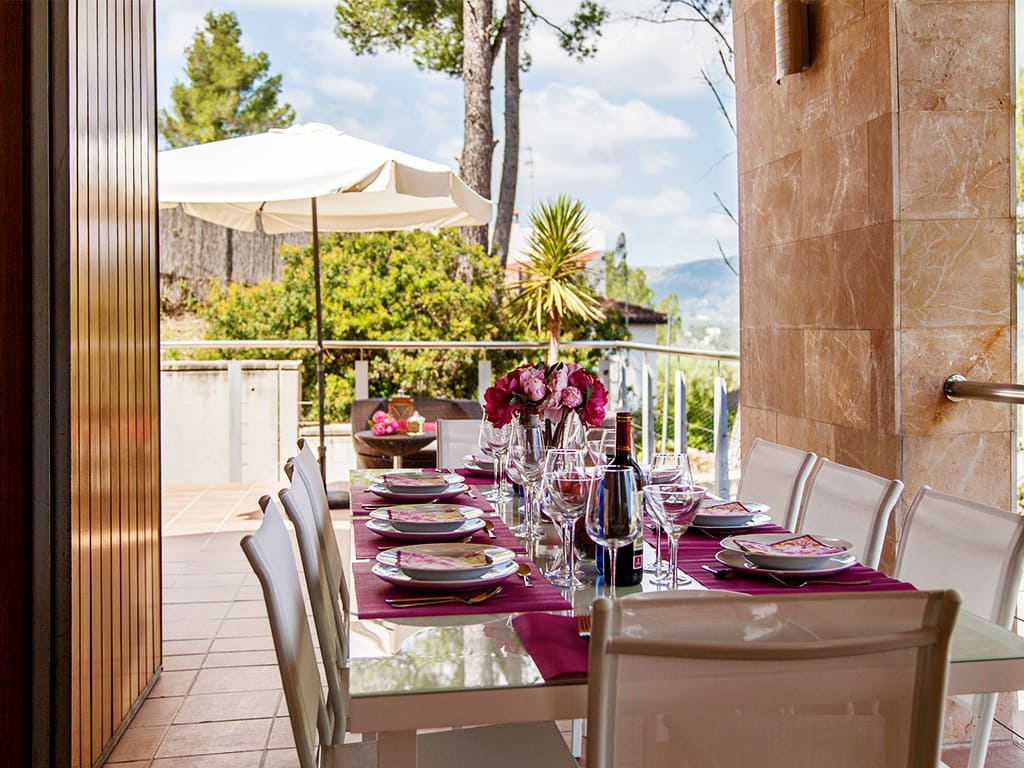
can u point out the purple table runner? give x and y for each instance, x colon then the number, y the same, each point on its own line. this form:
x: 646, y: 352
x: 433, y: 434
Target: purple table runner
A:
x: 371, y: 592
x: 554, y: 644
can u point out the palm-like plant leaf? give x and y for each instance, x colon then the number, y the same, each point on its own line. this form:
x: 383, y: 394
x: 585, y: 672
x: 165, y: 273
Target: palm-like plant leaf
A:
x: 554, y: 285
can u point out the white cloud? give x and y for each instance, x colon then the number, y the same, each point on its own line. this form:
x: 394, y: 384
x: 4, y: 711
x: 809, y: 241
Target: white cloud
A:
x: 665, y: 202
x: 345, y: 88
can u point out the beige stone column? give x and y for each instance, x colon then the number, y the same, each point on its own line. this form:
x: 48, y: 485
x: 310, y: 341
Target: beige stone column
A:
x: 876, y: 238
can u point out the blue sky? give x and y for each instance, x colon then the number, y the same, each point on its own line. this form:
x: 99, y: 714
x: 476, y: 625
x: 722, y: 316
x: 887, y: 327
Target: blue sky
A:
x: 634, y: 133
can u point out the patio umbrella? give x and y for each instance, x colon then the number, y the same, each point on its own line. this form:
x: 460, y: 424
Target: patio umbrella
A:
x: 313, y: 178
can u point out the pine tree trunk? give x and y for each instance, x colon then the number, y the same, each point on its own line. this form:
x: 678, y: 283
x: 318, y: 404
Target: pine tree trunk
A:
x: 478, y: 131
x: 510, y: 159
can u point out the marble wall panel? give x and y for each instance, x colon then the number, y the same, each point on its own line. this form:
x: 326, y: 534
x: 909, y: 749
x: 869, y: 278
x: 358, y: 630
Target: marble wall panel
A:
x: 741, y: 49
x: 864, y: 279
x: 829, y: 18
x: 750, y: 229
x: 838, y: 377
x: 972, y: 466
x: 868, y: 450
x: 954, y: 164
x: 758, y: 292
x: 882, y: 196
x: 861, y: 87
x: 956, y: 272
x: 808, y: 280
x: 834, y: 184
x: 755, y: 145
x: 755, y: 422
x: 773, y: 364
x: 774, y: 208
x: 759, y: 28
x: 943, y: 47
x: 806, y: 434
x: 929, y: 355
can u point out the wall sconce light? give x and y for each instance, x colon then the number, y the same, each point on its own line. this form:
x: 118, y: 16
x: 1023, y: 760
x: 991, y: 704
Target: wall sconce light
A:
x: 792, y: 49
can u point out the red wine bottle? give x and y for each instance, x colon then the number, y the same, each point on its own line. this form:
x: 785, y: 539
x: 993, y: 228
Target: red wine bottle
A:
x: 629, y: 559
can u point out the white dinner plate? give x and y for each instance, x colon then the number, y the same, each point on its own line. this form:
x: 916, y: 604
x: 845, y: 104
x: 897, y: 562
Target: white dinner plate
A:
x: 736, y: 560
x: 484, y: 462
x: 472, y: 468
x: 379, y: 489
x: 441, y: 571
x: 755, y: 522
x: 789, y: 562
x: 732, y: 520
x: 385, y: 529
x: 461, y: 513
x: 400, y: 578
x: 416, y: 482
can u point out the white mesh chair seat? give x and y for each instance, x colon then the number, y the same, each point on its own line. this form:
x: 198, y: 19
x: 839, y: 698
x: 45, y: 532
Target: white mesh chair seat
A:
x: 776, y: 681
x: 314, y: 725
x: 950, y: 542
x: 455, y: 439
x: 852, y: 504
x: 776, y: 475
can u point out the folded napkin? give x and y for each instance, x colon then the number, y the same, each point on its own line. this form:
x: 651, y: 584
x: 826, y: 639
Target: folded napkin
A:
x: 554, y: 644
x: 430, y: 479
x: 725, y: 508
x: 805, y: 545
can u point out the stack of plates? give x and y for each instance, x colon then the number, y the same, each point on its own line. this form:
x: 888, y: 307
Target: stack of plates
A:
x: 786, y: 554
x: 478, y: 464
x: 425, y: 522
x: 445, y: 566
x: 716, y: 513
x: 414, y: 485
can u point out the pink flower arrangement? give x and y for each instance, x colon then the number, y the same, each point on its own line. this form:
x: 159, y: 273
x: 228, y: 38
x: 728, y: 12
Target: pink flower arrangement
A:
x: 548, y: 390
x: 382, y: 424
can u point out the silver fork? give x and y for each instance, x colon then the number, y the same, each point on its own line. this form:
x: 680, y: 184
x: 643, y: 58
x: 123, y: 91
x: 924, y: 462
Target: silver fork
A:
x: 798, y: 585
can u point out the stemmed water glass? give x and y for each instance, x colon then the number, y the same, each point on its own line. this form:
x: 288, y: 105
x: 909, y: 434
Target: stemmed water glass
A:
x: 526, y: 466
x: 672, y: 469
x: 494, y: 440
x: 600, y: 446
x: 674, y: 506
x: 614, y: 513
x: 566, y: 480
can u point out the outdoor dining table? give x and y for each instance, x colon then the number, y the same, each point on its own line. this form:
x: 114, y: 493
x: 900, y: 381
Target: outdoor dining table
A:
x: 419, y: 671
x: 396, y: 445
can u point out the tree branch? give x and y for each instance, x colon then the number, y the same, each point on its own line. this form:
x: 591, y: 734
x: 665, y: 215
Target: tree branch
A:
x: 726, y: 258
x: 718, y: 98
x: 533, y: 12
x: 725, y: 208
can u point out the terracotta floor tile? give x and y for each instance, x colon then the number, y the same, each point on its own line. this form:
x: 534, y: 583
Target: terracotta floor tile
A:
x: 174, y: 683
x: 247, y: 609
x: 230, y: 679
x: 191, y: 580
x: 229, y: 760
x: 184, y: 629
x: 197, y: 611
x: 138, y: 743
x: 186, y: 647
x: 201, y: 708
x: 281, y: 758
x: 244, y: 627
x: 239, y: 659
x: 200, y: 594
x: 214, y: 738
x: 224, y: 644
x: 182, y: 662
x: 157, y: 711
x: 281, y: 734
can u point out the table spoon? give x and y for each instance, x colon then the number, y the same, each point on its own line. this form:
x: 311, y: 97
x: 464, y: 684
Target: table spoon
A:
x: 524, y: 571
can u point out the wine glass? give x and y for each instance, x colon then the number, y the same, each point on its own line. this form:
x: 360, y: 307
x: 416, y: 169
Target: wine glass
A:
x: 566, y: 481
x: 673, y: 469
x: 494, y: 440
x: 600, y: 446
x: 613, y: 513
x: 674, y: 506
x: 526, y: 462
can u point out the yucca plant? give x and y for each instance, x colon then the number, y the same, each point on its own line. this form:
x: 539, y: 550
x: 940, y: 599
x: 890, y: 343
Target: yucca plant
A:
x: 554, y: 286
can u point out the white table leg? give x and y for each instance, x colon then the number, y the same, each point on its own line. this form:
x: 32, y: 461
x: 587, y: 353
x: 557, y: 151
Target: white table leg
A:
x: 396, y: 749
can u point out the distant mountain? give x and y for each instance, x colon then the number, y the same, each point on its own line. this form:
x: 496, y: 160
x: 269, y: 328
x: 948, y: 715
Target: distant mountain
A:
x: 708, y: 291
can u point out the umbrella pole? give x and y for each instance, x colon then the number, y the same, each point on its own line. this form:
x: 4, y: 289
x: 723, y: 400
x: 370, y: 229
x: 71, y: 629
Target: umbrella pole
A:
x: 319, y: 344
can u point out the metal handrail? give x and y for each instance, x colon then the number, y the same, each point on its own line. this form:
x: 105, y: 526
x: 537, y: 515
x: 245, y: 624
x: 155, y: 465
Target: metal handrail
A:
x: 957, y: 388
x: 705, y: 354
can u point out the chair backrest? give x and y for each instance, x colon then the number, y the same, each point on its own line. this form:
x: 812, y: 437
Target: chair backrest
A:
x: 950, y: 542
x: 778, y: 681
x: 776, y: 475
x: 852, y: 504
x: 269, y: 550
x: 455, y: 439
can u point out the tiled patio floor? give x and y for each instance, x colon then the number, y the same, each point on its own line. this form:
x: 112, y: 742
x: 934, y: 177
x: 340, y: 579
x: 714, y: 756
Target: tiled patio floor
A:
x: 218, y: 703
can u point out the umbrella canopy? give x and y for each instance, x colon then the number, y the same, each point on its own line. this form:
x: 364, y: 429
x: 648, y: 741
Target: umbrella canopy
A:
x: 314, y: 178
x: 271, y: 177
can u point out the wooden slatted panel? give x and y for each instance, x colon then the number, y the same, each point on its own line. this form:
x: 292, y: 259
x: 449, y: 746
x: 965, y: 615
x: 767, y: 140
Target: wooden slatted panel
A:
x: 115, y: 359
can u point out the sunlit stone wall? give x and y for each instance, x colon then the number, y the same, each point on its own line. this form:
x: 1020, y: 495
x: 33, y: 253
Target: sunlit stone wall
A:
x: 876, y: 238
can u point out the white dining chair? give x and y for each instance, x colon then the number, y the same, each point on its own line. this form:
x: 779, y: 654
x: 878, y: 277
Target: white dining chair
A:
x: 852, y: 680
x: 455, y: 439
x: 776, y: 475
x: 950, y: 542
x: 852, y: 504
x: 314, y: 725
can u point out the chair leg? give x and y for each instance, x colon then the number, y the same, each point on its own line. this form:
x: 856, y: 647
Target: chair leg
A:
x: 984, y: 711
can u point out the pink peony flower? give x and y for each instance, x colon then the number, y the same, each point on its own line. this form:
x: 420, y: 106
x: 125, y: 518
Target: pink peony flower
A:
x: 571, y: 397
x: 379, y: 416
